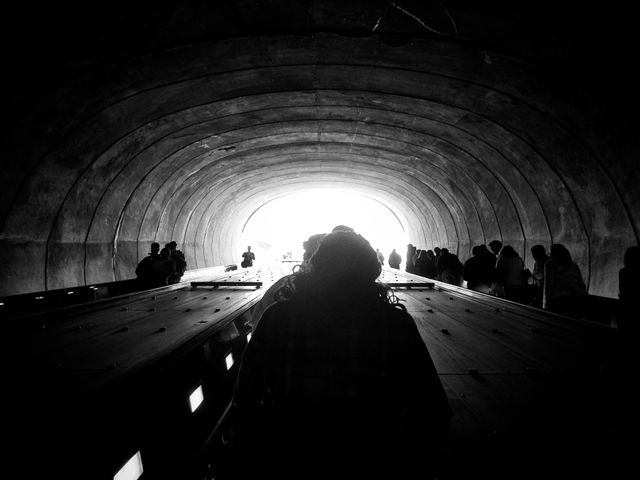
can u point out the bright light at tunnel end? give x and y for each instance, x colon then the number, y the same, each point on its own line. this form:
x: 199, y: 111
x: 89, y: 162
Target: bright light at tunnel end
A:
x: 276, y: 231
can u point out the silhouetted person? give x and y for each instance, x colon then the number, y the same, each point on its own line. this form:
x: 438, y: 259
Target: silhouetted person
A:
x: 479, y: 270
x: 419, y: 259
x: 449, y: 267
x: 429, y: 265
x: 436, y: 260
x: 144, y: 270
x: 380, y: 256
x: 540, y: 257
x: 163, y: 268
x: 181, y: 263
x: 627, y: 317
x: 420, y: 263
x: 337, y: 381
x: 564, y: 288
x: 409, y: 264
x: 394, y: 259
x: 495, y: 246
x: 629, y: 295
x: 510, y: 275
x: 247, y: 258
x: 416, y: 254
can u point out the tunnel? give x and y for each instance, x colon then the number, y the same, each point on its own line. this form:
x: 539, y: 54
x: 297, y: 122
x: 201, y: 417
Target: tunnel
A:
x: 133, y: 126
x: 460, y: 124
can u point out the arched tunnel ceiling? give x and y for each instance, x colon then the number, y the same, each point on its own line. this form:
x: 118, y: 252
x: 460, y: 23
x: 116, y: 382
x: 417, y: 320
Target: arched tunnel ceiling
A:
x: 140, y: 126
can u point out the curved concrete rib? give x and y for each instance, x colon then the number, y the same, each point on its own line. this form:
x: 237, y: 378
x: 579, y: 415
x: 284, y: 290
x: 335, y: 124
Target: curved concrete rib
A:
x: 186, y: 143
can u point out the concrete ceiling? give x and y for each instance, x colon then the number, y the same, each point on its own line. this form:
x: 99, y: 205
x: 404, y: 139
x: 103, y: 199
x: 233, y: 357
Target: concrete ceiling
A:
x: 150, y: 124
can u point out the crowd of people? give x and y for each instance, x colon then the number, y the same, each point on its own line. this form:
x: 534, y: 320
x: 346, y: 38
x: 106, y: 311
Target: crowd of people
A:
x: 161, y: 267
x: 554, y: 283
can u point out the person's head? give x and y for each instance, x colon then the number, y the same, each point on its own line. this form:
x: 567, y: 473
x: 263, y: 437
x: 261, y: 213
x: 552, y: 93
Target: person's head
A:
x: 560, y: 254
x: 508, y: 252
x: 310, y: 245
x: 632, y: 258
x: 437, y: 250
x: 538, y: 251
x: 155, y: 248
x: 165, y: 252
x: 483, y: 250
x: 343, y: 269
x: 345, y: 255
x: 444, y: 251
x: 476, y: 250
x: 430, y: 253
x: 495, y: 246
x: 248, y: 249
x: 342, y: 228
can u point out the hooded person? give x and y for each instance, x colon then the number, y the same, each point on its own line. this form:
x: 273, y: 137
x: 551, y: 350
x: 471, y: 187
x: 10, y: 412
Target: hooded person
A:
x: 336, y: 373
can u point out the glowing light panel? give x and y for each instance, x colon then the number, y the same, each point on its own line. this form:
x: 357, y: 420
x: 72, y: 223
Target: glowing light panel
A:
x: 196, y: 398
x: 229, y: 361
x: 131, y: 470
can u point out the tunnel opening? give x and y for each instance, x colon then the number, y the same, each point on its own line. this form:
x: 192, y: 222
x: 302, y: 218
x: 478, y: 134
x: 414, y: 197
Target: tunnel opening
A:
x: 276, y: 229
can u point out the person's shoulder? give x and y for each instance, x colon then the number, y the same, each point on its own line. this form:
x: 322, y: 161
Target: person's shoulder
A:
x: 398, y: 321
x: 280, y: 314
x: 281, y: 309
x: 393, y: 312
x: 628, y: 273
x: 270, y: 316
x: 575, y: 267
x: 275, y: 286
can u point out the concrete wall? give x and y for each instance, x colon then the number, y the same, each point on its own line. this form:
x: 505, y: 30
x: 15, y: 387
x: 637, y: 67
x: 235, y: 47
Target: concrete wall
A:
x: 185, y: 143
